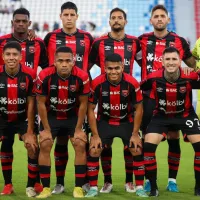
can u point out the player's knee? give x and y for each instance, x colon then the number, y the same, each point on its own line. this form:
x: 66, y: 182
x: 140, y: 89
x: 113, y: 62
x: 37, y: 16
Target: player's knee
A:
x: 135, y: 153
x: 79, y: 145
x: 95, y: 152
x: 46, y: 145
x: 31, y: 153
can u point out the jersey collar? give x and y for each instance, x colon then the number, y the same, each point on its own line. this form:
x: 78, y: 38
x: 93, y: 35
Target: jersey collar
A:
x: 71, y: 34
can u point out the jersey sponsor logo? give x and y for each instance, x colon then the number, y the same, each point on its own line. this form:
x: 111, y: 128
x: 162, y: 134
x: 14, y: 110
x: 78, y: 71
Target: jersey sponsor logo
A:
x: 70, y: 42
x: 104, y: 93
x: 149, y: 68
x: 172, y: 112
x: 126, y: 62
x: 150, y: 58
x: 172, y: 44
x: 171, y: 90
x: 159, y: 89
x: 182, y: 89
x: 129, y: 48
x: 29, y: 64
x: 161, y: 43
x: 4, y: 101
x: 119, y: 47
x: 125, y: 93
x: 22, y: 86
x: 12, y: 85
x: 107, y: 48
x: 53, y: 87
x: 62, y: 87
x: 72, y: 88
x: 115, y: 116
x: 2, y: 85
x: 2, y: 109
x: 23, y: 49
x: 162, y: 102
x: 79, y: 58
x: 31, y: 49
x: 108, y: 106
x: 115, y: 93
x: 55, y: 100
x: 82, y: 43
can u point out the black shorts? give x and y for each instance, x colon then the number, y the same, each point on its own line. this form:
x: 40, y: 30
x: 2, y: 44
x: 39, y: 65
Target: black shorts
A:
x: 61, y: 127
x: 9, y: 129
x: 189, y: 125
x: 148, y: 108
x: 108, y: 132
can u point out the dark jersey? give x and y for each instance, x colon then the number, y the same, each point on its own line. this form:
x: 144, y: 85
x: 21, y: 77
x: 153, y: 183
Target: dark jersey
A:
x: 62, y: 94
x: 14, y: 91
x: 80, y: 42
x: 128, y: 48
x: 115, y: 102
x: 172, y: 99
x: 152, y: 49
x: 33, y: 52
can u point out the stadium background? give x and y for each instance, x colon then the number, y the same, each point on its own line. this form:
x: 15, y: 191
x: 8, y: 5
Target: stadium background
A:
x: 185, y: 20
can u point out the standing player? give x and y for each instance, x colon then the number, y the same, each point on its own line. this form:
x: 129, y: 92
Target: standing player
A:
x: 172, y: 90
x: 196, y: 54
x: 80, y: 42
x: 33, y: 55
x: 128, y: 48
x: 17, y: 105
x: 60, y: 89
x: 118, y: 97
x: 152, y: 45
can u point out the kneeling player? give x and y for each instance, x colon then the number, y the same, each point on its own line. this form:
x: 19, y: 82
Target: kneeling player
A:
x: 118, y: 95
x: 60, y: 89
x: 17, y: 104
x: 173, y: 93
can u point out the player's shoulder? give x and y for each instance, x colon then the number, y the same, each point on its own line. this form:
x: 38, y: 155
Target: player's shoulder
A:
x: 98, y: 80
x: 191, y: 76
x: 130, y: 79
x: 28, y: 71
x: 53, y: 32
x: 76, y: 71
x: 146, y: 35
x: 131, y: 37
x: 39, y: 40
x: 7, y: 36
x: 156, y: 74
x: 1, y: 68
x: 101, y: 38
x: 47, y: 72
x: 171, y: 33
x: 84, y: 32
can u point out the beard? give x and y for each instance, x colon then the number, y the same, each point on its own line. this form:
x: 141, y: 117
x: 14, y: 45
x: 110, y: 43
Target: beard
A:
x: 160, y: 28
x: 118, y: 29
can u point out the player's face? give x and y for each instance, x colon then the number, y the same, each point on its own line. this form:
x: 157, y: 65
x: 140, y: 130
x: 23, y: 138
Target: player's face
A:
x: 11, y: 58
x: 20, y: 23
x: 117, y: 21
x: 114, y: 71
x: 64, y: 63
x: 69, y: 17
x: 171, y: 62
x: 159, y: 20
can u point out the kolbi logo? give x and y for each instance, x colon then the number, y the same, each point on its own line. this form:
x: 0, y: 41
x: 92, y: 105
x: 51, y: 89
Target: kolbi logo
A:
x: 151, y: 58
x: 162, y: 102
x: 55, y: 100
x: 4, y: 100
x: 126, y: 62
x: 79, y: 58
x: 107, y: 106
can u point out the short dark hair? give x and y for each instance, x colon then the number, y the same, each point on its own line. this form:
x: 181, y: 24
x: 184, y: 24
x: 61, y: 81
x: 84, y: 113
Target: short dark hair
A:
x: 22, y: 11
x: 69, y: 5
x: 63, y: 49
x: 114, y: 57
x: 171, y: 50
x: 12, y: 45
x: 159, y: 7
x: 118, y: 9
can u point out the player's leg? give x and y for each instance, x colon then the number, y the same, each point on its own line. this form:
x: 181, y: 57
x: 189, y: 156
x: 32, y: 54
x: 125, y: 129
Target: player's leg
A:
x: 174, y: 153
x: 61, y: 159
x: 7, y: 133
x: 105, y: 131
x: 124, y: 131
x: 80, y: 162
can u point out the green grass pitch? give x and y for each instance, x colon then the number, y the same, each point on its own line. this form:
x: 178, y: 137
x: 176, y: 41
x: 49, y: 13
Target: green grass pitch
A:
x: 185, y: 177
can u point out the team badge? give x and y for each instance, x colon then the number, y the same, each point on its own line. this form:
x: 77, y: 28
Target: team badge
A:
x: 82, y: 43
x: 31, y: 49
x: 72, y: 88
x: 129, y: 48
x: 182, y: 89
x: 125, y: 93
x: 22, y: 86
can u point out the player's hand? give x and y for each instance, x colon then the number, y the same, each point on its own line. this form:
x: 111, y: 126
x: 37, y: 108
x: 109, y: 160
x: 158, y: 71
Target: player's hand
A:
x: 136, y: 141
x: 95, y: 142
x: 30, y: 139
x: 45, y: 135
x: 187, y: 70
x: 79, y: 134
x: 31, y: 34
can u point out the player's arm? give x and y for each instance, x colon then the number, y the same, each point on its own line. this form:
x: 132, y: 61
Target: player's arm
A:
x: 191, y: 62
x: 31, y: 114
x: 138, y: 56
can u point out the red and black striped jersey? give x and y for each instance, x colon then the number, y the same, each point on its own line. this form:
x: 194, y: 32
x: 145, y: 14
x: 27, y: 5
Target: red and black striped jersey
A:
x: 62, y: 94
x: 172, y: 99
x: 33, y: 52
x: 152, y: 49
x: 115, y: 102
x: 128, y: 48
x: 14, y: 91
x: 80, y: 42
